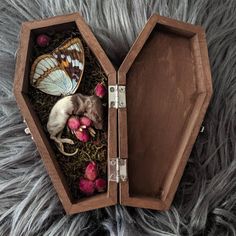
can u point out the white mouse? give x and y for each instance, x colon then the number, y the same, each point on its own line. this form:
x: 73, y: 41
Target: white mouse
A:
x: 76, y: 104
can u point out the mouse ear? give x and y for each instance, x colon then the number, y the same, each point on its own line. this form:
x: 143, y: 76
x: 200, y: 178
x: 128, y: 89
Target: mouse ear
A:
x: 78, y: 102
x: 88, y: 103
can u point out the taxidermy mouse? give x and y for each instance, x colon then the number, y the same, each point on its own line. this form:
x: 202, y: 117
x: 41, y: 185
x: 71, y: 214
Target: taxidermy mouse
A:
x: 76, y: 104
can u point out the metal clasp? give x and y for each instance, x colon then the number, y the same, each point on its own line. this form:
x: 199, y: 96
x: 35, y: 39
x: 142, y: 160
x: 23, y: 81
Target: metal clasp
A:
x: 118, y: 170
x: 117, y: 96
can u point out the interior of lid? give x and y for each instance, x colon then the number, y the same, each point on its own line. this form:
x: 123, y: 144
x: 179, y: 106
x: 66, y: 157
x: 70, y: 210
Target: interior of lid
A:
x: 161, y: 94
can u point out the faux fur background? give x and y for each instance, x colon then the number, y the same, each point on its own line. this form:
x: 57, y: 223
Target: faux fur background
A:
x: 205, y: 203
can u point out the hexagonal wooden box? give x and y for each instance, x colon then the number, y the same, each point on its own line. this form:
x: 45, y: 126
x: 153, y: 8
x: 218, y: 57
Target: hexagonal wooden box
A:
x: 166, y: 76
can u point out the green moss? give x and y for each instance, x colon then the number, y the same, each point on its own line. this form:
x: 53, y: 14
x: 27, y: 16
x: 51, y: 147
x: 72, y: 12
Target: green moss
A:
x: 96, y: 149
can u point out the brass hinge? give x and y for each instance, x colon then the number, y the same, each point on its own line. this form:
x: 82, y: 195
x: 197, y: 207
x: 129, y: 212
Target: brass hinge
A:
x: 118, y: 170
x: 117, y: 96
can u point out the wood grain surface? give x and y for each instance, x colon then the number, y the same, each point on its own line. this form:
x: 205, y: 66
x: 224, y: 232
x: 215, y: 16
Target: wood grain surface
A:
x: 167, y: 97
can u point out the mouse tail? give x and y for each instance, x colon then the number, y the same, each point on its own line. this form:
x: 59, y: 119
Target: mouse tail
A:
x: 61, y: 150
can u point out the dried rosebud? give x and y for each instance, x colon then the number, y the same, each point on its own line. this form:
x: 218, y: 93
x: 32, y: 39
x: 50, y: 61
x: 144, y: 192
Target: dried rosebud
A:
x: 86, y: 186
x: 73, y: 123
x: 43, y: 40
x: 100, y: 185
x: 100, y: 90
x: 82, y: 135
x: 85, y: 121
x: 91, y: 172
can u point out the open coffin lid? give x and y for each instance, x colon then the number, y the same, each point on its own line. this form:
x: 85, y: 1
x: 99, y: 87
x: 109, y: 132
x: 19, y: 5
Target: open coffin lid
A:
x: 167, y: 79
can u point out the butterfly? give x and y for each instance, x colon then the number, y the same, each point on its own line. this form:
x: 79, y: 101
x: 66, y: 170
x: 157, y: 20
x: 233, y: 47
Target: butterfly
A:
x: 59, y: 72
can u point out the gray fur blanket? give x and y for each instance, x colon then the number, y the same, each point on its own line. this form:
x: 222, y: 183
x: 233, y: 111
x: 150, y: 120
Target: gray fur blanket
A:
x: 205, y: 203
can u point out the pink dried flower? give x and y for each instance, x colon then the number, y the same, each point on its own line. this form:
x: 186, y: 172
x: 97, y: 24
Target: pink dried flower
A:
x: 100, y: 185
x: 73, y: 123
x: 85, y: 121
x: 82, y: 135
x: 91, y: 172
x: 100, y: 90
x: 86, y: 186
x: 43, y: 40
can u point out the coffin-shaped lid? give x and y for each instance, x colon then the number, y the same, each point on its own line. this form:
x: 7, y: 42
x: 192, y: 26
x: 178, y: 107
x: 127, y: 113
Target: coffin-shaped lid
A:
x: 168, y: 88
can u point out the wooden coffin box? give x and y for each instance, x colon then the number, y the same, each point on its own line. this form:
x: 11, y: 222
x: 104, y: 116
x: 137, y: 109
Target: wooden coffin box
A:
x: 157, y: 101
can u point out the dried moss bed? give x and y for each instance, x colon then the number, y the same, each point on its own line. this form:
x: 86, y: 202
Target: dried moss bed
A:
x: 94, y: 150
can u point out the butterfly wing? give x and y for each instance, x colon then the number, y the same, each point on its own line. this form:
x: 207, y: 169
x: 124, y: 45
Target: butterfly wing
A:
x: 47, y: 75
x: 70, y: 56
x: 60, y: 72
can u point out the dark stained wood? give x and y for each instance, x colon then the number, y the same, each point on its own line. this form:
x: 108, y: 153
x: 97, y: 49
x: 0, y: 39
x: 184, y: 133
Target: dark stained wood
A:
x: 168, y: 80
x: 43, y: 145
x: 206, y: 96
x: 123, y: 137
x: 22, y: 59
x: 112, y: 144
x: 156, y: 86
x: 167, y: 97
